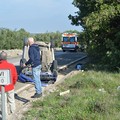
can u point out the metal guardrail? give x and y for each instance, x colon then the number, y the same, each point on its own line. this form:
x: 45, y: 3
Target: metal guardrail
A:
x: 65, y: 66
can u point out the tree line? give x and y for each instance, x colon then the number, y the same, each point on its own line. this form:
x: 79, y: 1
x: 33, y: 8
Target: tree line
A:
x: 100, y: 20
x: 14, y: 39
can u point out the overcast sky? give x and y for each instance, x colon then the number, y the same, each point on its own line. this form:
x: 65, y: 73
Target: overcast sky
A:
x: 37, y: 16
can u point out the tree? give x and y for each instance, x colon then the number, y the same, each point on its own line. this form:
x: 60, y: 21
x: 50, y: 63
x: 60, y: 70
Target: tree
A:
x: 12, y: 39
x: 101, y: 22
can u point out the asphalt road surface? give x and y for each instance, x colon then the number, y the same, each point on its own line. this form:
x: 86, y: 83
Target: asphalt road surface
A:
x: 62, y: 58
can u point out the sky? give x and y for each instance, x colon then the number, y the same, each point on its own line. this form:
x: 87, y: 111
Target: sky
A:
x: 37, y: 16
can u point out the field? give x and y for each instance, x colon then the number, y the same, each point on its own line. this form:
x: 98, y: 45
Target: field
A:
x: 93, y: 95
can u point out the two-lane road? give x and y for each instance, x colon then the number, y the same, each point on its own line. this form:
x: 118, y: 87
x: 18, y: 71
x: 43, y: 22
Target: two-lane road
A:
x: 62, y: 58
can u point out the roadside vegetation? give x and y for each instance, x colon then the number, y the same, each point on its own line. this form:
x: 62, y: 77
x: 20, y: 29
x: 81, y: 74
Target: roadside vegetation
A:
x: 13, y: 39
x: 94, y: 95
x: 100, y: 20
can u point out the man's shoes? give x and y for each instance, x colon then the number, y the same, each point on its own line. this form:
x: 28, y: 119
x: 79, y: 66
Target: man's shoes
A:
x: 36, y: 95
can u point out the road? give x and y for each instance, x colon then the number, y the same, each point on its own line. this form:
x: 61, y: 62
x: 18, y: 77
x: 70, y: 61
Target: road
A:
x: 62, y: 58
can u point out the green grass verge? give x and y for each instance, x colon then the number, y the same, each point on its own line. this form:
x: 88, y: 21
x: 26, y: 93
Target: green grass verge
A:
x: 86, y: 100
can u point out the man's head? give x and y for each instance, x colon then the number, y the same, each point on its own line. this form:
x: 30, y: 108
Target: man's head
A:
x: 3, y: 55
x: 30, y: 41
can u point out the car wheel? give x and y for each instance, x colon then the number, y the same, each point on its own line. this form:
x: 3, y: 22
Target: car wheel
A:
x: 54, y: 65
x: 55, y: 73
x: 22, y: 61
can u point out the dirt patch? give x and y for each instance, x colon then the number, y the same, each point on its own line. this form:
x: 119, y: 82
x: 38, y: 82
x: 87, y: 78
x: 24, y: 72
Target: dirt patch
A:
x: 13, y: 53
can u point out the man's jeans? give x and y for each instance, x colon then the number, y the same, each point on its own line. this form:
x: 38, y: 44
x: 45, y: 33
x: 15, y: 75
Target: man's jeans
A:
x: 36, y: 77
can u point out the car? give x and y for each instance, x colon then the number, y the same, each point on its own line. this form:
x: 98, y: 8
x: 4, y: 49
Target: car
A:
x: 49, y: 70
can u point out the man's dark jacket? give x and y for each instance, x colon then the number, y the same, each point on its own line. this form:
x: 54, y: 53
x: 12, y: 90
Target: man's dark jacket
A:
x: 34, y: 55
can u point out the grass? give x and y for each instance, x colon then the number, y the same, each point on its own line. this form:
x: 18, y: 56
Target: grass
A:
x: 85, y: 100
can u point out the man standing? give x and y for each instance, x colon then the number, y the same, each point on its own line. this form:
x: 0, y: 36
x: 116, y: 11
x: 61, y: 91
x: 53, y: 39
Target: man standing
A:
x: 9, y: 89
x: 34, y: 61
